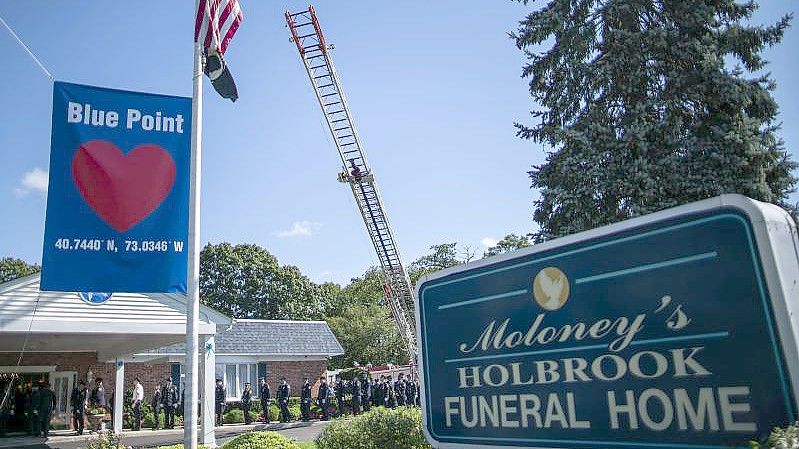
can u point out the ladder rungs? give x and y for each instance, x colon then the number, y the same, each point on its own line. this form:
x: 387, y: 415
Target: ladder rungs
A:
x: 321, y: 76
x: 326, y: 85
x: 340, y: 129
x: 318, y: 66
x: 303, y: 24
x: 307, y: 35
x: 331, y: 104
x: 335, y: 112
x: 329, y: 95
x: 299, y: 13
x: 351, y: 143
x: 351, y: 151
x: 339, y: 120
x: 344, y: 137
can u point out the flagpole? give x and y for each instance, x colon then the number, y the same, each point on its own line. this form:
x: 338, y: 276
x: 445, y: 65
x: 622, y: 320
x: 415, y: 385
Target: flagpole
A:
x: 193, y: 273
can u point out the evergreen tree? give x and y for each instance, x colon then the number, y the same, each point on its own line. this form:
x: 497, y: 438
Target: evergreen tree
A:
x: 649, y: 104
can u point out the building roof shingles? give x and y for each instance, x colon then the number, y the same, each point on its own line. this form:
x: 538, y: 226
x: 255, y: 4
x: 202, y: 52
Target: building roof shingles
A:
x: 272, y: 337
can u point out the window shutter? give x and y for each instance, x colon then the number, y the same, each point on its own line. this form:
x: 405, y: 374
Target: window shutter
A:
x: 176, y: 374
x: 262, y: 370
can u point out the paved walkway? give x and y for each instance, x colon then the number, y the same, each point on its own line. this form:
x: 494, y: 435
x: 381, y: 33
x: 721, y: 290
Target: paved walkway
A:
x: 61, y: 439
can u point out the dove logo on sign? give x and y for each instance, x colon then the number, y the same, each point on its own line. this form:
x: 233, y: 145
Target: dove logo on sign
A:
x: 550, y: 289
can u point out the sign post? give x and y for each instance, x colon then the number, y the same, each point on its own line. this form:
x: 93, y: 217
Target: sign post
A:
x: 672, y: 330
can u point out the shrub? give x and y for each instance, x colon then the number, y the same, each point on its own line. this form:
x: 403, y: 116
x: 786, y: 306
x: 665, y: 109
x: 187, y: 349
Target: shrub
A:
x: 261, y: 440
x: 787, y: 438
x: 399, y: 428
x: 106, y: 440
x: 234, y: 416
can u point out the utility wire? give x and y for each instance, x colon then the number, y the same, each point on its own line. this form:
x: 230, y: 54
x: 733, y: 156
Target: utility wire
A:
x: 27, y: 49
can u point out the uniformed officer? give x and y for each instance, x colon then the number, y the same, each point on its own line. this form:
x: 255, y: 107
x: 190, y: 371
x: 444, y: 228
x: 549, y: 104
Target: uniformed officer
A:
x: 410, y: 392
x: 399, y: 389
x: 305, y: 400
x: 339, y: 389
x: 266, y: 396
x: 283, y: 394
x: 78, y: 400
x: 246, y: 402
x: 391, y: 397
x: 418, y: 393
x: 155, y: 402
x: 355, y: 387
x: 321, y: 398
x: 375, y: 392
x: 366, y: 394
x: 219, y: 402
x: 169, y: 400
x: 46, y: 407
x: 34, y: 423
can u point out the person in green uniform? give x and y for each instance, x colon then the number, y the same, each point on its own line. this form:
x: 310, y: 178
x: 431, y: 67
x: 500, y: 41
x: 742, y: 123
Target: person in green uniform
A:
x: 46, y: 407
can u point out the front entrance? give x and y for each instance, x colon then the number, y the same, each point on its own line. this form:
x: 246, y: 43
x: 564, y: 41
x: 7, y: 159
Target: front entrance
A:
x: 62, y: 383
x: 15, y: 391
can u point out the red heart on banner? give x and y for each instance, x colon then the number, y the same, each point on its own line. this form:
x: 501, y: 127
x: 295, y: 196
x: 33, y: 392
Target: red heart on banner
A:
x: 123, y: 189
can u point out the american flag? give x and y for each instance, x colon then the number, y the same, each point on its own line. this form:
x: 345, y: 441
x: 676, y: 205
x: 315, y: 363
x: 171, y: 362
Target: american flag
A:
x: 216, y: 23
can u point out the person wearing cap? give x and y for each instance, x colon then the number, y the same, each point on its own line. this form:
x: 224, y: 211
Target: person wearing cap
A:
x: 219, y: 402
x: 321, y: 398
x: 46, y: 407
x: 283, y: 394
x: 246, y: 402
x: 169, y: 400
x: 305, y: 400
x: 266, y: 396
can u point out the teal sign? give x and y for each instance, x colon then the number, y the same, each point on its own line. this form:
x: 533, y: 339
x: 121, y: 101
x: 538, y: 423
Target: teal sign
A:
x: 655, y: 333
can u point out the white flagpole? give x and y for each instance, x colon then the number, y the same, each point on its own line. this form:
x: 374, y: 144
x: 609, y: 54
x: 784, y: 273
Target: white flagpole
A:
x: 193, y: 274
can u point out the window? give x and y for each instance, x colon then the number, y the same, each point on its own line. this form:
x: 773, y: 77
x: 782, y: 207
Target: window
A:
x: 235, y: 375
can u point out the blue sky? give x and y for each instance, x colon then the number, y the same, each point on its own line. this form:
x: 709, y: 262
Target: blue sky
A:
x: 434, y: 88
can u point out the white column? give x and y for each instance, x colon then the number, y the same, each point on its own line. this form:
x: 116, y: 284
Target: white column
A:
x: 208, y: 437
x: 119, y: 395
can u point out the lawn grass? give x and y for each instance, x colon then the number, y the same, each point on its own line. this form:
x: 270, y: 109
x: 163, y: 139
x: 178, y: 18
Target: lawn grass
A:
x: 307, y: 445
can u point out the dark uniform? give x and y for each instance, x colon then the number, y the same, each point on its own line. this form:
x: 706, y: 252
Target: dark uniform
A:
x: 305, y: 401
x: 418, y: 394
x: 246, y: 403
x: 321, y: 398
x: 283, y: 393
x: 265, y: 396
x: 77, y: 400
x: 399, y: 391
x: 34, y: 423
x: 377, y: 399
x: 219, y: 402
x: 355, y: 387
x: 366, y: 394
x: 46, y: 407
x: 339, y: 389
x: 169, y: 399
x: 410, y: 393
x: 156, y: 404
x: 388, y: 391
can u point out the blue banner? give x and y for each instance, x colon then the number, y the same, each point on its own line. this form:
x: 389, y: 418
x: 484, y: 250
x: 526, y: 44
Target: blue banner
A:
x: 659, y: 336
x: 117, y: 204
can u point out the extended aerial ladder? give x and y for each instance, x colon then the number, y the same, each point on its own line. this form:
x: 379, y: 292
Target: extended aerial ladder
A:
x: 307, y: 35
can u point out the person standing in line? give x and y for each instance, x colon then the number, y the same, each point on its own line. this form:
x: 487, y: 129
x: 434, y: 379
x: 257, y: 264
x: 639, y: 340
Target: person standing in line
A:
x: 305, y: 400
x: 410, y: 392
x: 246, y: 402
x: 355, y: 387
x: 169, y: 399
x: 339, y: 389
x: 266, y: 396
x: 155, y: 402
x: 366, y: 393
x: 375, y: 387
x: 78, y: 400
x: 418, y: 400
x: 219, y: 402
x: 321, y: 398
x: 138, y: 398
x: 34, y: 423
x: 283, y: 394
x: 399, y: 390
x: 46, y: 407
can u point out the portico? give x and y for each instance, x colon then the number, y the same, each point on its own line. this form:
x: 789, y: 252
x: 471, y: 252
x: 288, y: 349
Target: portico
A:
x: 61, y: 338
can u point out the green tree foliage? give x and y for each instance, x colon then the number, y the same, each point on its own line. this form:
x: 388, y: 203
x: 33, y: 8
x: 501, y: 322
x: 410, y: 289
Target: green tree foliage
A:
x: 511, y: 242
x: 368, y: 335
x: 643, y: 111
x: 246, y: 281
x: 442, y: 256
x: 11, y: 268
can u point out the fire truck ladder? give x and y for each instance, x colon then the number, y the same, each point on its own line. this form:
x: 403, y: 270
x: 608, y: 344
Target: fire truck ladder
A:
x: 310, y: 41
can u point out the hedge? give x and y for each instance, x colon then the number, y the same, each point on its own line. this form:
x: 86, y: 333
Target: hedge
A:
x: 398, y: 428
